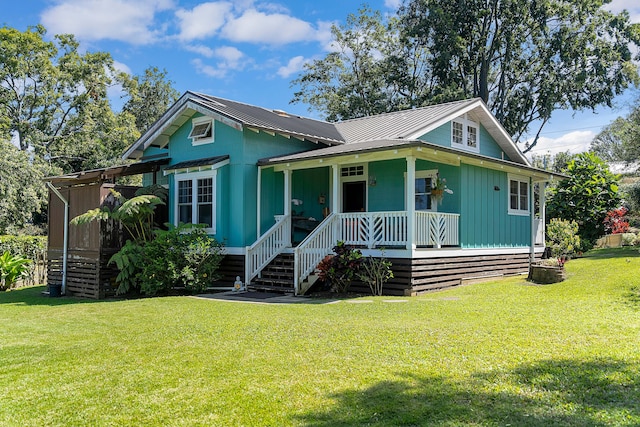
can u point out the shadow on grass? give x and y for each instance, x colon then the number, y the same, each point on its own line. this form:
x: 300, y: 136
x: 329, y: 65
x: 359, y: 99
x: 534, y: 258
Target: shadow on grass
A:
x: 623, y: 252
x: 33, y: 296
x: 566, y: 393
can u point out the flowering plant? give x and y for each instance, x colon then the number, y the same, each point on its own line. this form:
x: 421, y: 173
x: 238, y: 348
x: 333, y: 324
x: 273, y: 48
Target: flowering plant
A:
x: 439, y: 188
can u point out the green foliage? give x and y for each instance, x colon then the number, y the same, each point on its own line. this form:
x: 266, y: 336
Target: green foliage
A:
x: 129, y: 260
x: 12, y: 268
x: 585, y: 197
x: 33, y: 248
x: 181, y: 257
x: 135, y: 214
x: 524, y: 59
x: 340, y: 269
x: 375, y: 272
x: 562, y: 237
x: 620, y: 140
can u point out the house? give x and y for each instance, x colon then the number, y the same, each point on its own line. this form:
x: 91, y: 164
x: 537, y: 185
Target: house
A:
x: 280, y: 190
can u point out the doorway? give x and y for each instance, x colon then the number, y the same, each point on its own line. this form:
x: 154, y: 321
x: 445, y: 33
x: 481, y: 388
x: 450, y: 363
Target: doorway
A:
x: 354, y: 196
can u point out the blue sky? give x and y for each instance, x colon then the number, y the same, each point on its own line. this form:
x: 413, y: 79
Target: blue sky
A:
x: 245, y: 50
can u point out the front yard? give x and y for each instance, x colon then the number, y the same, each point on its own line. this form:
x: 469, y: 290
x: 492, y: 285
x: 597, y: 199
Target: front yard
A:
x: 498, y: 353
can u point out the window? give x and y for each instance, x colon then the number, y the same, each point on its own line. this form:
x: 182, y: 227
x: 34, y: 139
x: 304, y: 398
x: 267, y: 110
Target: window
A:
x: 424, y: 183
x: 464, y: 134
x: 196, y: 199
x: 518, y: 195
x: 357, y: 170
x: 201, y: 131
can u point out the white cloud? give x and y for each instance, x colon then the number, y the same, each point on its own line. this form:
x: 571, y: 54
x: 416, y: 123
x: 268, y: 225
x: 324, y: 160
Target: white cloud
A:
x: 632, y: 6
x: 203, y: 20
x: 230, y: 59
x: 122, y: 20
x: 121, y: 67
x: 205, y: 51
x: 574, y: 142
x: 294, y: 65
x: 276, y: 28
x: 392, y: 4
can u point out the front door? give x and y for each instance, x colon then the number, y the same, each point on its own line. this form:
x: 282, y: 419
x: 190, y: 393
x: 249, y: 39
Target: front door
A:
x: 354, y: 196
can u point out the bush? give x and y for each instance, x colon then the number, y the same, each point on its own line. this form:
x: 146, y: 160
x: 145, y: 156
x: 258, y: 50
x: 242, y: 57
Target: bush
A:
x: 12, y: 268
x: 615, y: 221
x: 375, y: 272
x: 181, y: 257
x: 340, y: 269
x: 30, y: 247
x: 562, y: 237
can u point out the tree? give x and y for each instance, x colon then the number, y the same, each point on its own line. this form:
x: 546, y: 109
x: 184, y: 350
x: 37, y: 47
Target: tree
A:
x: 620, y: 140
x: 149, y: 95
x: 53, y: 100
x: 524, y: 59
x: 22, y: 194
x: 585, y: 197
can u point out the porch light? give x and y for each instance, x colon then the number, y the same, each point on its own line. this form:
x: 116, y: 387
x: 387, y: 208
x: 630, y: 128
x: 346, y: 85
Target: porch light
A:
x: 372, y: 180
x: 296, y: 202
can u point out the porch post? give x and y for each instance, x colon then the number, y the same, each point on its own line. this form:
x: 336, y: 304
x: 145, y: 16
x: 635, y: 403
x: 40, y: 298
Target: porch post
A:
x: 259, y: 195
x: 335, y: 181
x: 542, y: 201
x: 287, y: 201
x: 411, y: 201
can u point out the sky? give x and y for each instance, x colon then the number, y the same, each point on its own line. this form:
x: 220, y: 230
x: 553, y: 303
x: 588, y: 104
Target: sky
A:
x: 247, y: 50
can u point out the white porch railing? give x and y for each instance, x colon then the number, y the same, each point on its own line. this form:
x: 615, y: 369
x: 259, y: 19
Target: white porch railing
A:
x: 539, y: 231
x: 267, y: 247
x: 436, y: 229
x: 373, y: 229
x: 309, y: 253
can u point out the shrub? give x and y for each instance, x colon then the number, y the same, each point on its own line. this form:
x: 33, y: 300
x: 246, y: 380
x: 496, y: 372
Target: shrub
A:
x: 375, y: 272
x: 30, y: 247
x: 340, y: 269
x: 181, y: 257
x: 129, y: 262
x: 615, y: 221
x: 562, y: 237
x: 12, y: 268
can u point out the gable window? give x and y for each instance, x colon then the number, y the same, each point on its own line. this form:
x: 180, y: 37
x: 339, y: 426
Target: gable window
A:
x: 464, y: 134
x: 196, y: 199
x: 425, y: 180
x: 518, y: 195
x: 201, y: 131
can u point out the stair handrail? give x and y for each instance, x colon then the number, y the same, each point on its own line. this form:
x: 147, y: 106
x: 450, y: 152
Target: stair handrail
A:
x: 267, y: 247
x: 308, y: 254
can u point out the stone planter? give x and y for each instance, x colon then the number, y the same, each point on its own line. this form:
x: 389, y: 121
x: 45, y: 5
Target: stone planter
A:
x: 546, y: 274
x: 613, y: 241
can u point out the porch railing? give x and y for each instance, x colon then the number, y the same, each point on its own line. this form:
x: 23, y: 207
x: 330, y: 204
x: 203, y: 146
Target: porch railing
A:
x: 436, y: 229
x: 309, y: 253
x: 267, y: 247
x: 373, y: 229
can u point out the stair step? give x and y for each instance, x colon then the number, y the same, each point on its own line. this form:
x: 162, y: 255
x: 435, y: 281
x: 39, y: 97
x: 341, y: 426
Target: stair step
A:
x: 267, y: 288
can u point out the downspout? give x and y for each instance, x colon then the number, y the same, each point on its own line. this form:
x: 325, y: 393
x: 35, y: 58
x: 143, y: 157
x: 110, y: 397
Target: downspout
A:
x: 65, y: 244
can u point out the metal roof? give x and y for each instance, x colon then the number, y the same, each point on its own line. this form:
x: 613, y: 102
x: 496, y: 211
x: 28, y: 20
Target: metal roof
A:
x: 196, y: 163
x: 398, y: 124
x: 102, y: 174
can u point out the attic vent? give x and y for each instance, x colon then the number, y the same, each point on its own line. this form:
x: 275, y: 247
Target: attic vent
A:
x: 281, y: 113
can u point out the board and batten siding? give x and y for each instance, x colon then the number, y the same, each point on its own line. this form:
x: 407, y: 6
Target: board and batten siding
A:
x: 484, y: 218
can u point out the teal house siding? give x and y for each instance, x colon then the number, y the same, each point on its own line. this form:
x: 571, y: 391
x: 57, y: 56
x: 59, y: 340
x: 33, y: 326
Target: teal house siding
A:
x: 488, y: 145
x: 484, y: 218
x: 388, y: 193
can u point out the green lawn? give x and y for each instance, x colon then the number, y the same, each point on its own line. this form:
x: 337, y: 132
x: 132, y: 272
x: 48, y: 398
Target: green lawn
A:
x: 499, y: 353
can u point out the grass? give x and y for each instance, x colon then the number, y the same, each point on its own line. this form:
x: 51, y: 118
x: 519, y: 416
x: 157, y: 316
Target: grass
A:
x: 491, y: 354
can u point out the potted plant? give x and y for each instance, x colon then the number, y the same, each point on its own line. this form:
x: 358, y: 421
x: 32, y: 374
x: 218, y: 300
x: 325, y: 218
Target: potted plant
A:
x: 439, y: 188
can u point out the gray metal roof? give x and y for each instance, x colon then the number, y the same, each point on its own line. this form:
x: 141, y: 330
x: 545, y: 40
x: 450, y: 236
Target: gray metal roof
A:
x: 200, y: 162
x: 275, y: 120
x: 399, y: 124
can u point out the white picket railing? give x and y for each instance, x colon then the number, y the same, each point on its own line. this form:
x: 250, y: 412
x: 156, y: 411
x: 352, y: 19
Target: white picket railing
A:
x: 436, y: 229
x: 373, y: 229
x: 309, y: 253
x: 267, y: 247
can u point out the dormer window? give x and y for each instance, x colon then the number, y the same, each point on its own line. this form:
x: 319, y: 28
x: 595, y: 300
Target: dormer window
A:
x: 464, y: 134
x: 201, y: 131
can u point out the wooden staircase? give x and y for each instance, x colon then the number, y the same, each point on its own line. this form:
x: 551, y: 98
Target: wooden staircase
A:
x: 276, y: 277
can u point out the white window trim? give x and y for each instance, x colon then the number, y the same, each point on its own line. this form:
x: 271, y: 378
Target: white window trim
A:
x: 194, y: 177
x: 429, y: 173
x: 199, y: 121
x: 519, y: 179
x: 466, y: 122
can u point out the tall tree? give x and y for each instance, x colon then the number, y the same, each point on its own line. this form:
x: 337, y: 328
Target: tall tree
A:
x: 620, y: 140
x: 150, y: 95
x: 524, y: 59
x: 53, y: 99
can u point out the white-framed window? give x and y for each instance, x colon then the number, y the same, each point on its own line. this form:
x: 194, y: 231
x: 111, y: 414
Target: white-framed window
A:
x: 465, y: 134
x: 425, y: 180
x: 519, y: 194
x: 195, y: 199
x: 202, y: 131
